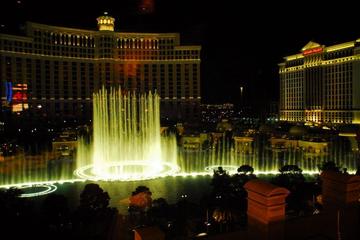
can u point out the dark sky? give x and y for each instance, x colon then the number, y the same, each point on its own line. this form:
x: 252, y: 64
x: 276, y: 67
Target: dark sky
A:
x: 243, y: 41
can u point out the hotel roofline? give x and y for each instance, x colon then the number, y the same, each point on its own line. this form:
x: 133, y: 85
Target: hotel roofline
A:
x: 32, y: 25
x: 95, y: 32
x: 312, y: 45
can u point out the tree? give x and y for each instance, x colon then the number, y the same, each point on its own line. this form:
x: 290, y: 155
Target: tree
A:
x: 159, y: 213
x: 228, y: 199
x: 140, y: 189
x: 220, y: 171
x: 16, y: 213
x: 245, y: 169
x: 141, y: 198
x: 290, y: 169
x: 11, y: 204
x: 139, y: 203
x: 55, y: 209
x: 93, y: 215
x: 160, y: 203
x: 291, y: 177
x: 220, y: 180
x: 94, y: 198
x: 94, y: 204
x: 184, y: 212
x: 329, y: 166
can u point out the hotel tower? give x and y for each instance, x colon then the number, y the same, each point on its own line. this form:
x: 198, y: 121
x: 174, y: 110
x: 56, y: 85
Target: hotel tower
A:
x: 321, y: 84
x: 52, y: 71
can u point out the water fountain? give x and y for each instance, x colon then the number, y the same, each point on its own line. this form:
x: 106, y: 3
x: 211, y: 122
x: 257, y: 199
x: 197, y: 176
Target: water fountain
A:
x: 126, y: 139
x: 127, y: 145
x: 27, y: 168
x: 265, y: 158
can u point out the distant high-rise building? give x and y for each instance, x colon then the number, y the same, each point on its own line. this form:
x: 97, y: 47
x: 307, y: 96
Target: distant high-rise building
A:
x: 321, y: 84
x: 53, y: 71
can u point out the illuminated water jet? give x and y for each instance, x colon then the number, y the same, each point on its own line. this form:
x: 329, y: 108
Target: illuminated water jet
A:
x: 126, y: 141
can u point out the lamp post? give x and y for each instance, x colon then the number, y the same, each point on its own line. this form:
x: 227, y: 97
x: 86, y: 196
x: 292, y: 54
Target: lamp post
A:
x: 241, y: 96
x: 338, y: 226
x: 207, y: 220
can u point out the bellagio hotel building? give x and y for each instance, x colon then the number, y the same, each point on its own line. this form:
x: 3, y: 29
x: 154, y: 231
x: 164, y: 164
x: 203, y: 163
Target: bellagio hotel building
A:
x: 53, y: 71
x: 321, y: 84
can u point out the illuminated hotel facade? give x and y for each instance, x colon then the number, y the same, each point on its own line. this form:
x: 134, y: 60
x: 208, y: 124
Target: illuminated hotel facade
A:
x: 53, y: 71
x: 321, y: 84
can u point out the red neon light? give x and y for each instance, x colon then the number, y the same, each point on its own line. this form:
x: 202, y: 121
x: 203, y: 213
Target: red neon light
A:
x: 313, y: 51
x: 19, y: 96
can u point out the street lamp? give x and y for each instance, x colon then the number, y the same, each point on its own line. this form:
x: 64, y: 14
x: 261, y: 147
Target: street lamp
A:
x: 241, y: 95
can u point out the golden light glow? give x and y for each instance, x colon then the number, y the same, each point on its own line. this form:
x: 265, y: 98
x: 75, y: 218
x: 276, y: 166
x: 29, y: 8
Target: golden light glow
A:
x: 340, y: 46
x: 106, y: 23
x: 294, y: 57
x: 19, y: 107
x: 310, y: 45
x: 347, y: 134
x: 127, y: 142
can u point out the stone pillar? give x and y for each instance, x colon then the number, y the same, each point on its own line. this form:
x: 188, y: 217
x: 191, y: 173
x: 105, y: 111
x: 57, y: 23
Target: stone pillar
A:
x: 340, y: 196
x: 339, y: 189
x: 266, y: 210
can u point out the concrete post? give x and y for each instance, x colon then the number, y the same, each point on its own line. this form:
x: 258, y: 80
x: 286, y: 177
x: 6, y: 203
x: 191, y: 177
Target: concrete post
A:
x: 339, y: 189
x: 266, y: 209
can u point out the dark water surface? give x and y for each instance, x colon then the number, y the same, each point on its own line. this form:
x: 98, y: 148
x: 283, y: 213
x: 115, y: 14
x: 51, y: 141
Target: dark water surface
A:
x: 170, y: 188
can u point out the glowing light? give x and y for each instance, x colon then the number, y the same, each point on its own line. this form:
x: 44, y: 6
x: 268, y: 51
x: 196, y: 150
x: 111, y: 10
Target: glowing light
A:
x: 347, y: 134
x: 47, y: 189
x: 340, y: 46
x: 313, y: 51
x: 106, y: 23
x: 147, y: 6
x: 167, y: 174
x: 19, y: 97
x: 202, y: 234
x: 17, y: 185
x: 127, y: 143
x: 126, y: 171
x: 8, y: 91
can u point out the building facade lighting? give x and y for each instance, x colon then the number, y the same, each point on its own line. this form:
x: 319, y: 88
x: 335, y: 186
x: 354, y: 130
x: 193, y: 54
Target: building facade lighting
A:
x: 321, y: 84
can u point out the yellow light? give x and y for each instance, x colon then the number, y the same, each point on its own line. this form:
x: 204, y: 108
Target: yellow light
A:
x: 294, y: 57
x: 347, y: 134
x: 340, y: 46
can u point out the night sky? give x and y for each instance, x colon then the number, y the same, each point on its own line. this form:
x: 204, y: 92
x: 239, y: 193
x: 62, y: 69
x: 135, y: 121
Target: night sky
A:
x: 242, y: 41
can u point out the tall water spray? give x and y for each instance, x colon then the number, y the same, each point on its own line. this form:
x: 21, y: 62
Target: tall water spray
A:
x: 127, y: 144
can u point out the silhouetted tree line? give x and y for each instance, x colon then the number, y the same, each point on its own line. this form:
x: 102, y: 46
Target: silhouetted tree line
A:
x: 54, y: 220
x: 227, y: 202
x: 222, y: 209
x: 175, y: 220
